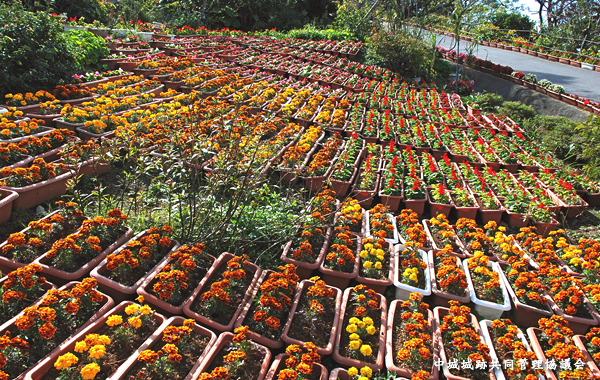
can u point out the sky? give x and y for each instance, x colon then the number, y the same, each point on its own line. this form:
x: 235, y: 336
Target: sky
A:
x: 530, y: 8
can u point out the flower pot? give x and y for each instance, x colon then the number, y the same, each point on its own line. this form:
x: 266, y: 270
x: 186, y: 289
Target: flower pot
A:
x: 515, y: 219
x: 222, y: 260
x: 115, y: 289
x: 38, y: 193
x: 593, y: 199
x: 458, y: 252
x: 365, y: 197
x: 214, y: 350
x: 304, y: 285
x: 61, y: 276
x: 441, y: 297
x: 485, y: 326
x: 523, y: 314
x: 345, y: 361
x: 318, y: 372
x: 87, y: 135
x: 392, y: 202
x: 532, y: 334
x: 341, y: 279
x: 61, y: 123
x: 440, y: 208
x: 78, y: 101
x: 156, y: 340
x: 44, y: 131
x: 380, y: 285
x: 6, y: 203
x: 403, y: 290
x: 577, y: 324
x: 439, y: 313
x: 544, y: 228
x: 93, y: 167
x: 393, y: 240
x: 256, y: 337
x: 45, y: 365
x: 487, y: 309
x: 105, y: 305
x: 580, y: 341
x: 389, y: 343
x: 47, y: 286
x: 304, y: 269
x: 341, y: 187
x: 48, y: 119
x: 155, y: 301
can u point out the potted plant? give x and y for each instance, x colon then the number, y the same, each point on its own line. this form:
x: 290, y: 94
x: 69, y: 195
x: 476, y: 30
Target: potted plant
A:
x: 448, y: 280
x: 360, y: 338
x: 485, y: 289
x: 341, y: 261
x: 302, y: 359
x: 222, y: 297
x: 408, y: 352
x: 380, y: 224
x: 376, y: 264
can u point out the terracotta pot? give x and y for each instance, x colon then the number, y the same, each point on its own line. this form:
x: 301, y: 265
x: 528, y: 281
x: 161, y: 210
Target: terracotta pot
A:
x: 6, y: 203
x: 389, y: 342
x: 577, y: 324
x: 84, y: 134
x: 593, y: 199
x: 38, y: 193
x: 441, y: 297
x: 61, y: 123
x: 532, y: 334
x: 156, y: 340
x: 515, y: 220
x: 319, y: 371
x: 580, y: 341
x: 76, y: 102
x: 523, y: 314
x: 439, y: 313
x: 48, y: 119
x: 223, y: 339
x: 365, y: 197
x: 341, y: 279
x: 222, y: 260
x: 341, y: 187
x: 380, y: 285
x: 155, y: 301
x: 345, y: 361
x: 417, y: 205
x: 440, y: 208
x: 392, y: 202
x: 304, y: 270
x: 44, y: 366
x: 105, y: 305
x: 304, y: 285
x: 61, y: 276
x: 460, y: 252
x: 121, y: 292
x: 544, y: 228
x: 256, y: 337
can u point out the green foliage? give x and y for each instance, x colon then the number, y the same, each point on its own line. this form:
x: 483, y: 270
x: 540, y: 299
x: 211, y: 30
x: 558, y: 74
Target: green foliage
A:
x: 557, y: 135
x: 33, y: 51
x: 590, y: 141
x: 441, y: 71
x: 487, y: 101
x: 400, y: 53
x: 355, y: 19
x: 87, y: 47
x: 90, y: 9
x: 310, y: 32
x: 512, y: 20
x: 517, y: 111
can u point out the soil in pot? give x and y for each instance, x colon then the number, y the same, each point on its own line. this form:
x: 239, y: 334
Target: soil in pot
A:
x: 371, y: 340
x: 305, y: 328
x: 190, y: 352
x: 248, y: 371
x: 222, y: 313
x: 116, y: 352
x: 400, y: 336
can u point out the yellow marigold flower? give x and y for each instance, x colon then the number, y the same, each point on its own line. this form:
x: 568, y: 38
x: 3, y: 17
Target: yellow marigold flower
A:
x: 354, y: 337
x: 97, y: 351
x: 371, y: 330
x: 368, y: 321
x: 367, y: 264
x: 366, y: 371
x: 353, y: 371
x: 114, y: 320
x: 378, y: 265
x: 145, y: 310
x: 80, y: 347
x: 65, y: 361
x: 363, y: 254
x: 140, y: 299
x: 132, y: 309
x: 366, y: 350
x: 135, y: 322
x: 362, y: 378
x: 351, y: 328
x: 354, y: 344
x: 354, y: 320
x: 361, y: 324
x: 89, y: 371
x: 103, y: 339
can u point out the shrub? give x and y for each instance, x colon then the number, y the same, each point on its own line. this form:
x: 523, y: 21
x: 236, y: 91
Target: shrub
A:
x: 35, y: 54
x: 401, y: 53
x: 87, y: 47
x: 517, y: 111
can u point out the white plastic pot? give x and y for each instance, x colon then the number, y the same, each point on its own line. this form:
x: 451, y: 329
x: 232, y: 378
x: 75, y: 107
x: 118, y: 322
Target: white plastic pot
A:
x: 394, y: 240
x: 487, y: 309
x: 403, y: 290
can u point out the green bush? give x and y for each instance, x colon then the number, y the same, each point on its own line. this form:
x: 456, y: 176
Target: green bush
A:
x: 557, y: 134
x: 400, y: 53
x: 34, y: 53
x: 87, y: 47
x: 310, y: 32
x: 517, y: 111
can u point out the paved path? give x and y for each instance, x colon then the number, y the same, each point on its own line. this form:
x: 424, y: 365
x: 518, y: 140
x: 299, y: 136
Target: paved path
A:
x: 575, y: 80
